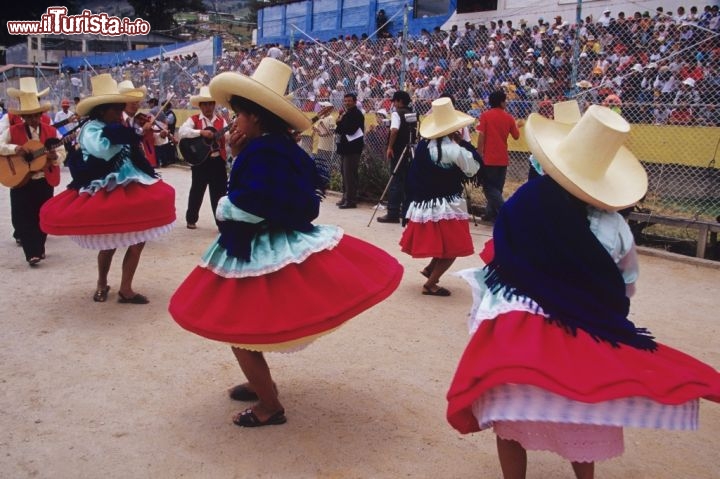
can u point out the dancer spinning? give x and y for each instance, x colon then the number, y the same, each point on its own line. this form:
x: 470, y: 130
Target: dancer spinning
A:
x: 554, y: 363
x: 438, y: 227
x: 273, y: 281
x: 115, y: 199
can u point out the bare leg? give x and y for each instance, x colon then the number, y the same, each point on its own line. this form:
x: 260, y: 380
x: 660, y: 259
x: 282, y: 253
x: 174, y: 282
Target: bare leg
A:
x: 584, y: 470
x: 104, y: 261
x: 256, y: 370
x: 441, y: 265
x: 513, y: 458
x: 129, y: 266
x: 427, y: 270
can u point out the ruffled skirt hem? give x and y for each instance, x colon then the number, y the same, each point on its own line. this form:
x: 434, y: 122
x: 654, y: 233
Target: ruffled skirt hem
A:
x: 299, y: 301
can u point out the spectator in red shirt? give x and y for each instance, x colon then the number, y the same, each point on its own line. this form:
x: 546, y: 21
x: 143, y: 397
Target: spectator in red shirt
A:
x: 495, y: 126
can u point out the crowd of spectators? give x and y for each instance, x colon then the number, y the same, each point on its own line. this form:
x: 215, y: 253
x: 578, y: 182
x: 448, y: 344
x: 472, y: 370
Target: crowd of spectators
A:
x: 655, y: 67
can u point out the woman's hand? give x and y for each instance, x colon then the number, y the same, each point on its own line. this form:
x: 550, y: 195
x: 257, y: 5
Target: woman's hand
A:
x: 237, y: 140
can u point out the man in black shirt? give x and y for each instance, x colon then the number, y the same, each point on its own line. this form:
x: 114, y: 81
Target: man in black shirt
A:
x: 350, y: 128
x: 402, y: 135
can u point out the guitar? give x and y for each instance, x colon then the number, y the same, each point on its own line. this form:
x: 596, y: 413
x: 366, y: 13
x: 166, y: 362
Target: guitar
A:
x: 15, y: 170
x: 197, y: 150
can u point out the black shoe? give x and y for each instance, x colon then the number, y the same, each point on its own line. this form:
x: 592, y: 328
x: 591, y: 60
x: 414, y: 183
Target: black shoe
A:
x: 388, y: 219
x: 346, y: 206
x: 341, y: 202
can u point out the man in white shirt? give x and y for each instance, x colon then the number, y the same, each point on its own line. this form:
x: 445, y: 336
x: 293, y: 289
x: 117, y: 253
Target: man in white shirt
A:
x: 209, y: 171
x: 27, y: 198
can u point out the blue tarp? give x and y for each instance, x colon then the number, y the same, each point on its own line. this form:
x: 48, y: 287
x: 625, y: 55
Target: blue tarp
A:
x: 118, y: 58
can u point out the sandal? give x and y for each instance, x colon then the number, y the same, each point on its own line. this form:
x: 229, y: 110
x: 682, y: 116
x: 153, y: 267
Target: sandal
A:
x: 437, y: 292
x: 137, y: 299
x: 247, y: 418
x: 101, y: 295
x: 425, y: 273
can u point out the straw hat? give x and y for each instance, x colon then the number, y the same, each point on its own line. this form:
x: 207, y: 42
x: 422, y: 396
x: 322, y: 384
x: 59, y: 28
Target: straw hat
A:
x: 202, y: 97
x: 266, y: 87
x: 104, y: 90
x: 588, y: 159
x: 567, y: 112
x: 29, y: 104
x: 443, y: 120
x: 126, y: 87
x: 583, y: 84
x: 27, y: 85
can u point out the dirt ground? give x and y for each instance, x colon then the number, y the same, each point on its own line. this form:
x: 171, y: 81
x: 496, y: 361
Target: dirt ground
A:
x: 120, y: 391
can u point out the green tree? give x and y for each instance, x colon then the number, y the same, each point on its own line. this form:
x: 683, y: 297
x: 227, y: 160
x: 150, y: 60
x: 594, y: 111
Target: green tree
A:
x: 160, y: 12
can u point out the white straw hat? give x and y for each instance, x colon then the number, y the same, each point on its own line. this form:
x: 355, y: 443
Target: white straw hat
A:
x: 126, y: 87
x: 443, y: 120
x: 104, y: 90
x: 29, y: 104
x: 567, y: 112
x: 266, y: 87
x: 27, y: 85
x: 588, y: 159
x: 202, y: 97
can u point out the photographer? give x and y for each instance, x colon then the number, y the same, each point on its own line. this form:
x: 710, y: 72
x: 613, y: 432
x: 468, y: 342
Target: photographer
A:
x: 403, y: 132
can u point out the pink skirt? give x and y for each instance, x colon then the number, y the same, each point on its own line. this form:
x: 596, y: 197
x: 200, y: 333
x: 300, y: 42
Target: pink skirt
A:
x: 126, y: 209
x: 437, y: 239
x: 283, y: 309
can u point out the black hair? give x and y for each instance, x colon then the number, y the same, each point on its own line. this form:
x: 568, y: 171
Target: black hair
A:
x: 403, y: 96
x: 98, y: 111
x: 496, y: 98
x: 269, y: 121
x: 351, y: 95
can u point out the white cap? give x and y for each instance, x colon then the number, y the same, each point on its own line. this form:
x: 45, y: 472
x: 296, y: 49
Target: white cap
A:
x: 689, y: 82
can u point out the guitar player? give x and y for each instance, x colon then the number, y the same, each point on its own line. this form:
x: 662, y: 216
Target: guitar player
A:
x: 209, y: 173
x: 27, y: 199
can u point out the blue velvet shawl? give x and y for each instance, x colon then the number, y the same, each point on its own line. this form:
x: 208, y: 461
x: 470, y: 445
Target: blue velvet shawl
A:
x: 275, y: 179
x: 545, y: 250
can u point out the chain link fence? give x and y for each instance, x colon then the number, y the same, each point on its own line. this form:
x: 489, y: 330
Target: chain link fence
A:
x: 661, y: 73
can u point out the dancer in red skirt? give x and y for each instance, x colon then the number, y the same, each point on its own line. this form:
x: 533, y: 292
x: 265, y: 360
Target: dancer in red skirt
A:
x: 115, y: 199
x: 273, y: 281
x: 554, y: 363
x: 438, y: 226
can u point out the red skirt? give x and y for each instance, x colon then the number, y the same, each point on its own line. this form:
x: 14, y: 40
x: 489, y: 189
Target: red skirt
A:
x: 298, y: 301
x: 522, y: 348
x: 437, y: 239
x: 125, y: 209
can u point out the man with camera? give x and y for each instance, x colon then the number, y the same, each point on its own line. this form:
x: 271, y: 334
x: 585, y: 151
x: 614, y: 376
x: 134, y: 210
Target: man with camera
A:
x: 403, y: 133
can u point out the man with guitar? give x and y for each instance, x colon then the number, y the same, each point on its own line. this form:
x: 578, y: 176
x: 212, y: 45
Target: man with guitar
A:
x: 204, y: 134
x: 27, y: 198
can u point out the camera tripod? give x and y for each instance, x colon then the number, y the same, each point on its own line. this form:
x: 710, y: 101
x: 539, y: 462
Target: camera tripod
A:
x: 409, y: 148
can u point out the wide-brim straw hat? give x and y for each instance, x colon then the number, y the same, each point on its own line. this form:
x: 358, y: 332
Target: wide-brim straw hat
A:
x: 266, y: 87
x: 27, y: 85
x: 588, y: 159
x: 29, y: 104
x: 567, y: 112
x: 202, y: 97
x: 104, y: 90
x: 126, y: 87
x: 443, y: 120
